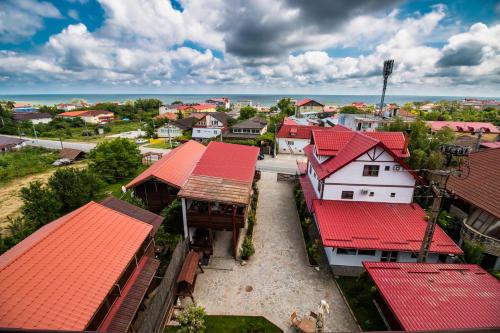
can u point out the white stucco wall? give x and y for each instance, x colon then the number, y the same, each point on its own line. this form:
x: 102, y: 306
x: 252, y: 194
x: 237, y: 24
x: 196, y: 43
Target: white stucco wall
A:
x: 163, y: 132
x: 357, y: 260
x: 205, y: 133
x: 297, y: 147
x: 41, y: 121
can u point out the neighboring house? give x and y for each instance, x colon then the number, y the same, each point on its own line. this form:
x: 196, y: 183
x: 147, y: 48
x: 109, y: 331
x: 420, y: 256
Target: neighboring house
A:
x: 307, y: 105
x: 66, y: 107
x: 361, y: 122
x: 159, y: 184
x: 480, y: 104
x: 247, y: 129
x: 216, y: 196
x: 210, y: 125
x: 186, y: 124
x: 192, y: 108
x: 90, y: 116
x: 222, y: 101
x: 292, y: 139
x: 89, y: 270
x: 168, y: 108
x: 360, y: 193
x: 242, y: 103
x: 489, y: 145
x: 360, y: 105
x: 463, y: 126
x: 436, y: 297
x: 476, y: 202
x: 8, y: 143
x: 427, y: 107
x: 34, y: 117
x: 170, y: 129
x: 24, y: 107
x: 72, y: 154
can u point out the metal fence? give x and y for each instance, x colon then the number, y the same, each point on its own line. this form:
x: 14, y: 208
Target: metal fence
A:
x: 160, y: 308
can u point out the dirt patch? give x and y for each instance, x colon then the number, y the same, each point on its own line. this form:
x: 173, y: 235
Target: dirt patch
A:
x: 10, y: 202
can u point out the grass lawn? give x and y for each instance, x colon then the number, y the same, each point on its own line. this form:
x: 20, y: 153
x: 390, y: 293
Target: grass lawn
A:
x: 160, y: 143
x: 116, y: 189
x: 359, y: 293
x: 24, y: 162
x: 230, y: 324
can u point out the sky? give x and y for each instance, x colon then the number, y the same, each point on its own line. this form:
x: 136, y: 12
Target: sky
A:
x: 440, y: 48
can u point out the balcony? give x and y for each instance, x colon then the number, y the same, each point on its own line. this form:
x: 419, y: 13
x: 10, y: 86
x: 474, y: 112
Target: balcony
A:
x: 489, y: 244
x: 215, y: 216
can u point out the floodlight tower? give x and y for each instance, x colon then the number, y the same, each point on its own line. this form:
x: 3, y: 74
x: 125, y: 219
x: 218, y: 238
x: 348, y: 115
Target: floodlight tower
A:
x: 388, y: 65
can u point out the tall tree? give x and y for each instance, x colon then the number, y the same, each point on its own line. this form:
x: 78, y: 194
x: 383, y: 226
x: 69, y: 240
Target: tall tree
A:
x: 247, y: 112
x: 115, y: 160
x: 40, y: 204
x: 286, y: 106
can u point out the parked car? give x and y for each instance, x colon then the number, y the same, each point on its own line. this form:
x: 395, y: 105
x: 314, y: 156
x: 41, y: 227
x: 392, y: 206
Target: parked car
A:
x: 141, y: 141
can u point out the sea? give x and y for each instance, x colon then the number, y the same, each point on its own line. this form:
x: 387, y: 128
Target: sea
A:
x: 263, y: 100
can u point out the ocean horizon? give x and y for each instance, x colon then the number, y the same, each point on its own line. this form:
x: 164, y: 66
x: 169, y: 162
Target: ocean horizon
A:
x: 258, y: 99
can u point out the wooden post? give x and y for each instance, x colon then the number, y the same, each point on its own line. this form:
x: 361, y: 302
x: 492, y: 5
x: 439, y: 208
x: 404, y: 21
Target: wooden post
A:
x: 234, y: 232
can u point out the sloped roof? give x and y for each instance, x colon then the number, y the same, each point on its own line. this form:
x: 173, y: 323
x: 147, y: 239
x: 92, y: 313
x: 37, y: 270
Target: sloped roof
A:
x: 133, y: 211
x: 70, y: 153
x: 253, y: 123
x: 173, y: 168
x: 296, y: 131
x: 482, y: 185
x: 20, y: 116
x: 432, y: 297
x: 216, y: 189
x: 7, y: 140
x: 185, y: 123
x: 167, y: 115
x: 490, y: 145
x: 463, y: 126
x: 377, y: 226
x: 306, y: 101
x: 58, y: 277
x: 84, y: 113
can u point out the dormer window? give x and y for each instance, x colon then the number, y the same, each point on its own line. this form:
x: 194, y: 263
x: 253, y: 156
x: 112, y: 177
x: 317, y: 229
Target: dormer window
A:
x: 371, y: 170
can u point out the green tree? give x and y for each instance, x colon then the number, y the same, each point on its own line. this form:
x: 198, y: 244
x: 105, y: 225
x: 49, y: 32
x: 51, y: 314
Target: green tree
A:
x: 177, y: 103
x: 115, y: 160
x: 172, y: 215
x: 350, y: 109
x: 192, y: 319
x: 74, y: 188
x: 221, y: 108
x: 247, y: 112
x: 286, y: 106
x: 40, y: 204
x: 473, y: 253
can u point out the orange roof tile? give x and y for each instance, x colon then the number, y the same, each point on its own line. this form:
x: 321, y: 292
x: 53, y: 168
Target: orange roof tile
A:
x: 173, y: 168
x: 58, y: 277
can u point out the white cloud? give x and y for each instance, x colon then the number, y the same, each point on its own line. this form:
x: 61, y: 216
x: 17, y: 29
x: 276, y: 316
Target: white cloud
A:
x: 20, y: 19
x: 74, y: 14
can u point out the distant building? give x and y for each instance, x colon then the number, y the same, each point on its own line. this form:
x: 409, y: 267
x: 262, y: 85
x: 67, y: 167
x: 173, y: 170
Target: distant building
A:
x: 308, y: 105
x: 167, y: 115
x: 436, y: 297
x: 242, y: 103
x: 170, y: 129
x: 210, y: 125
x: 361, y: 122
x: 222, y: 101
x: 8, y: 143
x: 34, y: 117
x: 169, y: 108
x: 480, y: 104
x: 24, y: 107
x: 427, y: 107
x: 66, y: 107
x: 463, y: 126
x: 292, y: 139
x: 247, y: 129
x: 90, y: 116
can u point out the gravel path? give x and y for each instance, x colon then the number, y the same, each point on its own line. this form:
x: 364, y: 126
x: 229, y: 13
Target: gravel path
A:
x: 277, y: 280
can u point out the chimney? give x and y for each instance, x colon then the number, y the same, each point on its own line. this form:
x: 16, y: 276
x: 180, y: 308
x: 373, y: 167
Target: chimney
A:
x: 407, y: 141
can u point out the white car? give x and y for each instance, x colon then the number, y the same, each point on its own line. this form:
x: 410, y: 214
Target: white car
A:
x: 141, y: 141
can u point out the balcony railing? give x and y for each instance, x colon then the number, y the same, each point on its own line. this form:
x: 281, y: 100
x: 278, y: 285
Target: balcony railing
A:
x: 214, y: 220
x: 489, y: 244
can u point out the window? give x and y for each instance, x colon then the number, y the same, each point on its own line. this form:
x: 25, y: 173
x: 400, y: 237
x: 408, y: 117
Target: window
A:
x: 366, y: 252
x: 393, y: 195
x: 351, y: 252
x: 371, y: 170
x: 371, y: 194
x: 387, y: 168
x: 310, y: 168
x: 414, y: 255
x: 319, y: 187
x: 290, y: 143
x: 389, y: 256
x: 347, y: 195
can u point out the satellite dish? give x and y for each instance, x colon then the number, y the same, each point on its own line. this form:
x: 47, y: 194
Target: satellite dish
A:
x: 124, y: 189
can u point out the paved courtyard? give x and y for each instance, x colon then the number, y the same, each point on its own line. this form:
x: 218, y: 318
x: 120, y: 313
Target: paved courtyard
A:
x: 277, y: 280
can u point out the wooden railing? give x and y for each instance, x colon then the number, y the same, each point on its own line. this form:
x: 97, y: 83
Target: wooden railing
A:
x: 214, y: 220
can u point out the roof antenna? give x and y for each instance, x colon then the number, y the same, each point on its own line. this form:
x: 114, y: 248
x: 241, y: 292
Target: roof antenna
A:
x: 387, y: 71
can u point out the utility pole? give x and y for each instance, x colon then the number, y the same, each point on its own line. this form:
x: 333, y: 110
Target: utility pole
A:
x: 439, y: 189
x: 60, y: 140
x: 387, y: 71
x: 34, y: 130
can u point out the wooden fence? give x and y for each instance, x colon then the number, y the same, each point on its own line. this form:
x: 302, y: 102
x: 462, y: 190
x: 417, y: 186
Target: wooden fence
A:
x: 160, y: 308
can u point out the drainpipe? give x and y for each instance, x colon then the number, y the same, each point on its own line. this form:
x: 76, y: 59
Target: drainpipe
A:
x: 184, y: 218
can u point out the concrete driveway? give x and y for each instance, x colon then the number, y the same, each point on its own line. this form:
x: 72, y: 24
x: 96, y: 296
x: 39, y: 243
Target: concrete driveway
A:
x: 277, y: 280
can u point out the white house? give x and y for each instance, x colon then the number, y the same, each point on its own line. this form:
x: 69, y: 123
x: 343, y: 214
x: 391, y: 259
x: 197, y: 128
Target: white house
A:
x: 34, y: 117
x: 169, y: 130
x: 293, y: 139
x: 308, y: 105
x: 210, y: 125
x: 360, y: 191
x: 361, y: 122
x: 66, y: 107
x: 168, y: 109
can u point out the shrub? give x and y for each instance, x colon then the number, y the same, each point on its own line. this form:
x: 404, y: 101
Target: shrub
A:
x: 473, y: 254
x: 192, y: 319
x: 314, y: 251
x: 247, y: 249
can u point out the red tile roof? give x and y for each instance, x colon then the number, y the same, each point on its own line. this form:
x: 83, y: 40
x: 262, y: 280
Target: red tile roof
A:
x: 377, y: 226
x: 173, y: 168
x: 463, y: 126
x: 58, y: 277
x: 228, y: 161
x: 296, y: 131
x: 490, y: 145
x: 288, y: 121
x: 438, y: 296
x: 307, y: 101
x: 167, y: 115
x: 346, y: 146
x: 197, y: 107
x: 482, y: 186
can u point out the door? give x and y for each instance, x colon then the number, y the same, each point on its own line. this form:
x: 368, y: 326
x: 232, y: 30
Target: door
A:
x: 389, y: 256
